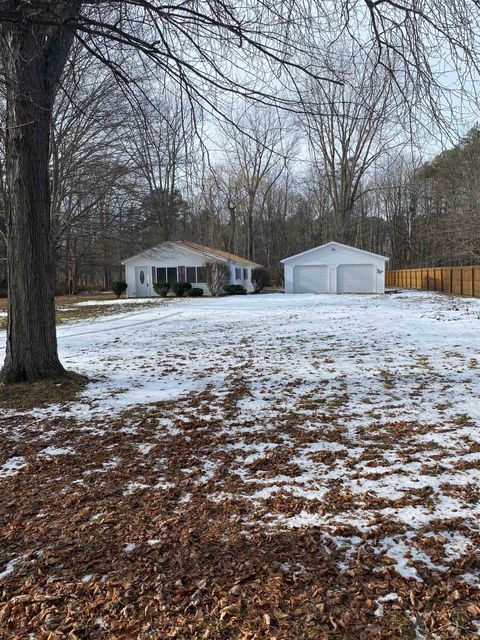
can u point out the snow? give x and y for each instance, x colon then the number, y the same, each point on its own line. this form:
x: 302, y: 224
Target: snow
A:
x: 403, y: 555
x: 100, y: 623
x: 10, y: 567
x: 51, y: 452
x: 380, y: 610
x: 132, y: 487
x: 362, y: 411
x: 118, y: 302
x: 145, y: 447
x: 372, y: 337
x: 12, y: 466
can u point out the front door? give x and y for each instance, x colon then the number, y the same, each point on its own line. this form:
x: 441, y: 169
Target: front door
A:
x: 142, y: 289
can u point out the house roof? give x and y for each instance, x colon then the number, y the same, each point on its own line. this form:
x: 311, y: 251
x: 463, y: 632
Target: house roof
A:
x: 338, y: 244
x: 208, y: 252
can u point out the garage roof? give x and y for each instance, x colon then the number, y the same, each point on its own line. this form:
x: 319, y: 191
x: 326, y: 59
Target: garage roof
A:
x: 337, y: 244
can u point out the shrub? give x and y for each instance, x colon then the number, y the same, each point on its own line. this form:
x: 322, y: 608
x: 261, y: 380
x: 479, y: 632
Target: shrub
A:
x: 161, y: 288
x: 217, y: 275
x: 234, y: 290
x: 118, y: 288
x: 260, y: 279
x: 180, y: 288
x: 196, y: 292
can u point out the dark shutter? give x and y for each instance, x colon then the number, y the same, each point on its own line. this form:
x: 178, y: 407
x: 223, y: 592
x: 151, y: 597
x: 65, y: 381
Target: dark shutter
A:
x: 154, y: 275
x: 201, y: 274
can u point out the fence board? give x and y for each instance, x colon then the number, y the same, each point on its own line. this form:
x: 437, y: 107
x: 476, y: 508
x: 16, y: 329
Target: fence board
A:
x: 455, y: 280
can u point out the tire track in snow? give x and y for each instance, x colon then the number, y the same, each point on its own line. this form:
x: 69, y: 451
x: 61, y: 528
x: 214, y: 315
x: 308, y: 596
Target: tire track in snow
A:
x: 118, y: 326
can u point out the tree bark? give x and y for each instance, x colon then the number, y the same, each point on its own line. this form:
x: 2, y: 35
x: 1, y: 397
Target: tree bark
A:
x: 33, y: 60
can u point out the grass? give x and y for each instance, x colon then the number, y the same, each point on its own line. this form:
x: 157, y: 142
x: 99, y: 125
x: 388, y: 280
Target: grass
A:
x: 68, y: 309
x: 24, y: 396
x: 65, y: 301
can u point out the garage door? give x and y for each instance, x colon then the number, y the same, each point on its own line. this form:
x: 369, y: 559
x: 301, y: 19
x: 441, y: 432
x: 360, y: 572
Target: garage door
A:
x: 356, y: 278
x: 310, y: 279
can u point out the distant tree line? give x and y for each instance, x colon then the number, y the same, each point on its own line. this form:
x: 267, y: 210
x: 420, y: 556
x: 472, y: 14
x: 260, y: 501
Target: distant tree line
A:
x: 126, y: 176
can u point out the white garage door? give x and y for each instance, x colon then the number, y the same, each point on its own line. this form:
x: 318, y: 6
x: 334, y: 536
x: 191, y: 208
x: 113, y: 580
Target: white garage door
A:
x: 310, y: 279
x: 356, y: 278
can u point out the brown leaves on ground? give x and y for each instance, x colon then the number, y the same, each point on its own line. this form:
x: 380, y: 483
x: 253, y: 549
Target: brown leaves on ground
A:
x: 119, y: 532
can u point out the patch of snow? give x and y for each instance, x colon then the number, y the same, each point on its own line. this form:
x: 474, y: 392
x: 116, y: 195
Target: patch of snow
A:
x: 471, y: 579
x: 134, y: 486
x: 119, y: 302
x: 51, y: 452
x: 163, y: 484
x: 380, y: 610
x: 129, y: 547
x: 12, y: 466
x: 10, y: 567
x: 100, y: 624
x: 145, y: 447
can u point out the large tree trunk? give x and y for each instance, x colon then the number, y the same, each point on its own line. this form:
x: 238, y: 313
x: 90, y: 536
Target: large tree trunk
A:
x: 33, y: 60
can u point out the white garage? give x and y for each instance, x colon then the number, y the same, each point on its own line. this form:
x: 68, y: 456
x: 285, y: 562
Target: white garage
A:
x: 335, y: 268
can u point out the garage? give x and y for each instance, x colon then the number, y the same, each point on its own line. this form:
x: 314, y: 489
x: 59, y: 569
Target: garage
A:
x: 311, y: 279
x: 335, y: 268
x: 355, y: 278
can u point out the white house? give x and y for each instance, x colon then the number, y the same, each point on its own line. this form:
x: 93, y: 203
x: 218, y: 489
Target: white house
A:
x: 335, y: 268
x: 181, y: 261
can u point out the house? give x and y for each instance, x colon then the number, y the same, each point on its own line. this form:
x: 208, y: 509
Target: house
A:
x: 181, y: 261
x: 335, y: 268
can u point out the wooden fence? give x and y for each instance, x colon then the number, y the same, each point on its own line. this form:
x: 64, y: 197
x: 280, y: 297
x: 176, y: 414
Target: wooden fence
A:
x: 463, y: 281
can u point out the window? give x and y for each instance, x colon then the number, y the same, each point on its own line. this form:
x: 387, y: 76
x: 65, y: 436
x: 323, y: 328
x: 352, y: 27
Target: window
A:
x: 200, y: 274
x: 245, y: 273
x: 142, y: 277
x: 238, y: 273
x: 172, y: 274
x: 161, y: 275
x: 192, y: 274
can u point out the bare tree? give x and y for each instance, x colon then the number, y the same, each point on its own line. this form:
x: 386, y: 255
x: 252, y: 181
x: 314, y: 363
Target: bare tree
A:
x: 258, y: 150
x: 351, y: 126
x: 160, y: 144
x: 34, y: 56
x: 217, y: 275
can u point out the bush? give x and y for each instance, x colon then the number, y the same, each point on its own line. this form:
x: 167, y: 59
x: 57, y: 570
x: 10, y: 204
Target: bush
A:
x: 234, y: 290
x: 260, y: 279
x: 180, y: 288
x: 196, y: 292
x: 217, y: 275
x: 118, y: 288
x: 161, y: 288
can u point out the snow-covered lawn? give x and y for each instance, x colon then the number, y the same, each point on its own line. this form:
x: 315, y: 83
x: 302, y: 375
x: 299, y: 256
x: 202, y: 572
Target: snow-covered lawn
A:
x: 329, y: 446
